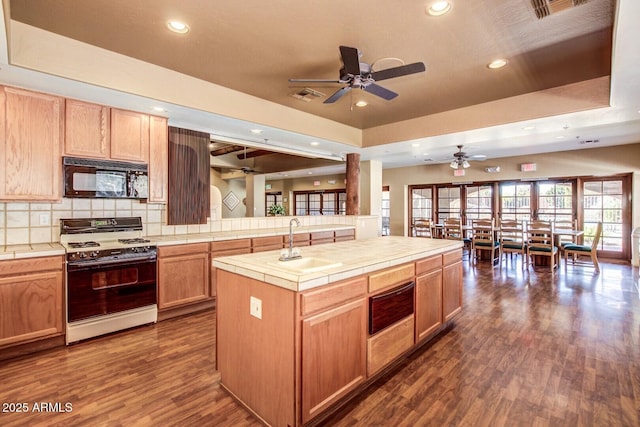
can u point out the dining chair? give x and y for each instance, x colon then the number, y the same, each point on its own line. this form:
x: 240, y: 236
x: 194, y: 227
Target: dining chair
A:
x: 511, y: 237
x: 422, y: 228
x: 565, y: 239
x: 540, y: 242
x: 484, y: 239
x: 452, y: 230
x: 592, y: 250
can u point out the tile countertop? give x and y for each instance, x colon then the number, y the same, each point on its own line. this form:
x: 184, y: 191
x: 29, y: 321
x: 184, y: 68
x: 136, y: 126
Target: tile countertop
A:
x: 30, y: 251
x: 356, y: 257
x: 242, y: 234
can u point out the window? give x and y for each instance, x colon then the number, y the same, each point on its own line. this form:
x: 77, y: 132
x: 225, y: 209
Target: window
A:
x: 385, y: 211
x: 603, y: 200
x: 449, y: 203
x: 515, y: 201
x: 479, y: 202
x: 555, y: 201
x: 331, y: 202
x: 421, y: 204
x: 273, y: 198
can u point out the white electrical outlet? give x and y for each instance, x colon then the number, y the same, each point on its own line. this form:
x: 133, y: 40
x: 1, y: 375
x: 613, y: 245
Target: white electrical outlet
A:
x: 255, y: 307
x: 44, y: 219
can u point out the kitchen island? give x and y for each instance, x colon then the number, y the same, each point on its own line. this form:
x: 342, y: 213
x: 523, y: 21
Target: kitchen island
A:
x: 295, y: 338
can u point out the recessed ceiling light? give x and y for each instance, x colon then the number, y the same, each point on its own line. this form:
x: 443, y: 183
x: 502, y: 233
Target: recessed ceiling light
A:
x: 310, y: 173
x: 159, y: 109
x: 439, y: 8
x: 178, y: 27
x: 497, y: 63
x: 530, y: 127
x: 256, y: 131
x: 314, y: 143
x: 560, y: 137
x: 415, y: 145
x: 361, y: 104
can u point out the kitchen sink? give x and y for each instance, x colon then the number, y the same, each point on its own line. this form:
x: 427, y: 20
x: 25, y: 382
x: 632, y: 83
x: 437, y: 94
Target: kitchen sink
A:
x: 305, y: 265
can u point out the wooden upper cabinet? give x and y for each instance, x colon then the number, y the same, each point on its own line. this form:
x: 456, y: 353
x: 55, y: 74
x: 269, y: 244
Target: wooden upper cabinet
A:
x: 158, y: 159
x: 129, y: 136
x: 87, y: 130
x: 31, y: 134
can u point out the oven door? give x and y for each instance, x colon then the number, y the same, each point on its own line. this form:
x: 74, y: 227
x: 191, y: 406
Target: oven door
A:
x: 104, y: 289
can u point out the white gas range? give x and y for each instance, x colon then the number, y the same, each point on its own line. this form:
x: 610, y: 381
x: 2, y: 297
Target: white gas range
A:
x: 111, y: 276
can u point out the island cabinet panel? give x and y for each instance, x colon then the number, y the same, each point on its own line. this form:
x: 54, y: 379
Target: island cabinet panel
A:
x: 158, y: 159
x: 299, y: 239
x: 31, y: 294
x: 332, y: 342
x: 332, y: 295
x: 256, y: 356
x: 452, y: 285
x: 183, y: 274
x: 267, y: 243
x: 389, y: 344
x: 391, y: 276
x: 344, y: 235
x: 226, y: 248
x: 129, y: 136
x: 86, y: 130
x: 31, y: 135
x: 321, y: 237
x: 428, y: 303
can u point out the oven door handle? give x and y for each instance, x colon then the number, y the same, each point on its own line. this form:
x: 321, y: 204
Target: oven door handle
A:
x: 86, y: 265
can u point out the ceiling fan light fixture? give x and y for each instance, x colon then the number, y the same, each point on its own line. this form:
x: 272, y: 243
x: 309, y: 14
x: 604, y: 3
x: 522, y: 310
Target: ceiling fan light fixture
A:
x: 439, y: 8
x: 453, y: 165
x: 465, y: 164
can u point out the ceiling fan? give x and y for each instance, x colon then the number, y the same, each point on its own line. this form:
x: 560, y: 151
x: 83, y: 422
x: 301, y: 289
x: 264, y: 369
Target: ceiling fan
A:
x: 359, y: 75
x: 461, y: 160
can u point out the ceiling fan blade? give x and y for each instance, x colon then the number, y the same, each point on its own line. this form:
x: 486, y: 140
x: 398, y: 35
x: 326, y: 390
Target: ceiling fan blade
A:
x: 314, y: 81
x: 350, y: 59
x: 337, y: 95
x: 403, y: 70
x: 380, y: 91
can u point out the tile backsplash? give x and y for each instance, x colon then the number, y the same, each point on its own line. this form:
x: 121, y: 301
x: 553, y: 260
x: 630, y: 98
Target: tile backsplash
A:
x: 30, y: 223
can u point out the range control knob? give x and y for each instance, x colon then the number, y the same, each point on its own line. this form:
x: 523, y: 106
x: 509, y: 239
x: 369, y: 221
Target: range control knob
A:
x: 82, y: 254
x: 94, y: 254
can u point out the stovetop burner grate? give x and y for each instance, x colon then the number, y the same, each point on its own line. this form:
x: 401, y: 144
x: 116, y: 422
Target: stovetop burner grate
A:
x: 133, y: 240
x: 90, y: 244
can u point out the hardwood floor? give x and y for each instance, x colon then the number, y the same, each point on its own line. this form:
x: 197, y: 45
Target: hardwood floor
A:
x: 530, y: 348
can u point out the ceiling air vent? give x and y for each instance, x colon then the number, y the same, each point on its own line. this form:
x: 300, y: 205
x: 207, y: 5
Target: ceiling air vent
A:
x: 307, y: 94
x: 544, y: 8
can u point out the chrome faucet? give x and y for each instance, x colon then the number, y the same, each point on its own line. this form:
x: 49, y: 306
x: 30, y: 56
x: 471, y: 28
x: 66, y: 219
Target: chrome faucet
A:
x: 289, y: 256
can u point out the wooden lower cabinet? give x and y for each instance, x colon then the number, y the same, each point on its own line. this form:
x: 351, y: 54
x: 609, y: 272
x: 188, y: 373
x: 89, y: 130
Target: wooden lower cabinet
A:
x: 428, y: 304
x: 31, y: 293
x: 451, y: 289
x: 225, y: 248
x: 333, y: 341
x: 183, y: 274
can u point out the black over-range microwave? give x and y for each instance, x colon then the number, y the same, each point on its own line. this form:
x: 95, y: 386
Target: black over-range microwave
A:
x: 104, y: 179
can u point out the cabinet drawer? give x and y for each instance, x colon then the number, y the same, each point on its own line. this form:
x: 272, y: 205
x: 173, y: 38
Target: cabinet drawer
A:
x: 266, y: 241
x: 389, y: 344
x: 345, y: 234
x: 428, y: 264
x: 322, y: 235
x: 322, y: 298
x: 30, y: 265
x: 451, y: 257
x: 175, y: 250
x: 239, y: 251
x: 266, y: 248
x: 391, y: 276
x: 224, y: 245
x: 299, y: 239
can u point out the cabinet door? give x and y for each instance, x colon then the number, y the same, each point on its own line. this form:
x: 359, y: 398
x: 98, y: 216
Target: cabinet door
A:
x: 30, y: 307
x: 158, y: 159
x: 31, y: 131
x: 86, y: 132
x: 428, y: 304
x: 183, y: 279
x: 451, y: 290
x: 333, y: 356
x: 129, y: 136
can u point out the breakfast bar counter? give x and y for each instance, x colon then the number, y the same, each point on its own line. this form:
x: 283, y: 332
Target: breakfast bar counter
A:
x: 295, y: 338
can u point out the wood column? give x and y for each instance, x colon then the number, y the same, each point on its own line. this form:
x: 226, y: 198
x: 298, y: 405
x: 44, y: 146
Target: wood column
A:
x: 353, y: 184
